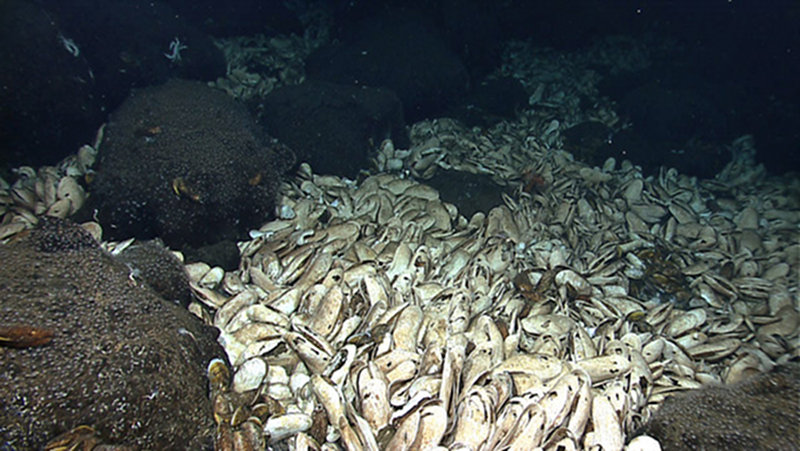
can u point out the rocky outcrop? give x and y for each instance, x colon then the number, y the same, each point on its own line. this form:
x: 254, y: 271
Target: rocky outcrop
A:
x: 401, y: 51
x: 85, y: 343
x: 154, y: 264
x: 49, y: 103
x: 758, y: 413
x: 334, y: 127
x: 188, y: 164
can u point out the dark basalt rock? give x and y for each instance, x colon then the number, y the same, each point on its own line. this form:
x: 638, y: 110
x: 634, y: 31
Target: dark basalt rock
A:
x: 473, y: 29
x: 48, y: 98
x: 401, y: 51
x: 126, y: 43
x: 674, y: 114
x: 239, y: 17
x: 155, y: 265
x: 121, y: 359
x: 334, y: 127
x: 762, y: 412
x: 188, y: 164
x: 224, y: 254
x: 674, y: 126
x: 491, y: 101
x: 590, y: 142
x: 469, y: 192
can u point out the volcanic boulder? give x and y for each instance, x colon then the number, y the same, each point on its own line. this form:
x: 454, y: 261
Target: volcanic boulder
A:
x: 401, y: 51
x: 188, y: 164
x: 761, y: 412
x: 334, y: 127
x: 85, y: 343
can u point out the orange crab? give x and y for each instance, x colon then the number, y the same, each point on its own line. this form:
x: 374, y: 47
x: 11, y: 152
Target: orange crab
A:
x: 532, y: 181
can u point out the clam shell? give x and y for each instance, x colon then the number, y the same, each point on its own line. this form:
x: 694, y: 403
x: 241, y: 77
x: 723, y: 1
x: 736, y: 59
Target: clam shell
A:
x: 249, y: 375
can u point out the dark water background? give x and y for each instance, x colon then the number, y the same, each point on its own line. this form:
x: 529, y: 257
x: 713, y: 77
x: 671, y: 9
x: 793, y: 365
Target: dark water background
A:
x: 732, y: 67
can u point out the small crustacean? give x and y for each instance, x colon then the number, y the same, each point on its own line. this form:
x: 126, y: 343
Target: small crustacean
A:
x: 532, y: 181
x: 148, y: 131
x: 78, y: 438
x: 256, y: 179
x: 24, y: 336
x: 181, y: 188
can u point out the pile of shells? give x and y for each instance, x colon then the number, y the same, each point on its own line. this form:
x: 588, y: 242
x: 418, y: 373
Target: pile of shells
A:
x: 503, y: 152
x: 565, y: 85
x: 256, y: 65
x: 373, y: 315
x: 560, y: 87
x: 50, y: 190
x: 377, y: 317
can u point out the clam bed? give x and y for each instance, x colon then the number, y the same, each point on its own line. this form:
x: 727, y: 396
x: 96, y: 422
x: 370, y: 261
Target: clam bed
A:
x: 561, y: 319
x: 372, y: 315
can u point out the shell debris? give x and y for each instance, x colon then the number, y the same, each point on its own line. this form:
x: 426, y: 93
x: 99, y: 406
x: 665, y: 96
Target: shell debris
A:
x: 505, y: 328
x: 373, y: 315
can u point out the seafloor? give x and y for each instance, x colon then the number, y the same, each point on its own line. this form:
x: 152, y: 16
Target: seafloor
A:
x: 377, y: 315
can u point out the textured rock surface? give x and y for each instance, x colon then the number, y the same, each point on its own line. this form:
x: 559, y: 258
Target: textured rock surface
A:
x: 48, y: 101
x: 125, y: 42
x: 762, y: 412
x: 334, y: 127
x: 188, y: 164
x: 401, y: 51
x: 155, y: 265
x: 121, y: 359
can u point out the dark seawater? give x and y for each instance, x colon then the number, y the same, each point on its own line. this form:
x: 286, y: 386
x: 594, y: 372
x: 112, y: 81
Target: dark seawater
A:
x: 718, y: 69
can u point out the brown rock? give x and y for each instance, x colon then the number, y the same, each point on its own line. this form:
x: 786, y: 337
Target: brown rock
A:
x: 188, y: 164
x: 155, y: 265
x: 760, y: 413
x: 110, y: 352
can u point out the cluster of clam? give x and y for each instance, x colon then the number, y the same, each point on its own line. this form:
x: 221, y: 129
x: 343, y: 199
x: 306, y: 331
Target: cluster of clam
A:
x: 558, y: 88
x: 503, y: 152
x: 445, y: 143
x: 377, y: 317
x: 49, y: 190
x: 373, y: 315
x: 564, y: 84
x: 279, y: 61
